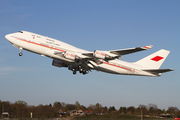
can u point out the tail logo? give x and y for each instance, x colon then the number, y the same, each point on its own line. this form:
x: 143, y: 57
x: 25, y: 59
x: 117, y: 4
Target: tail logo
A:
x: 157, y: 58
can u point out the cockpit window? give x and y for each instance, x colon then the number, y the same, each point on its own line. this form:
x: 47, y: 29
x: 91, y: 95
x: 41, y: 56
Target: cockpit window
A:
x: 21, y: 31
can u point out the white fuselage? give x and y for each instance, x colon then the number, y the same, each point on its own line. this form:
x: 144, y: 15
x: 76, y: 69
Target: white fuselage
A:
x: 46, y: 46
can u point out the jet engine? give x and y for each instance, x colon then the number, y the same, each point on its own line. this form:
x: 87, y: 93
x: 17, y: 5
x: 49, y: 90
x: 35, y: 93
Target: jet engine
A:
x: 70, y: 55
x: 58, y: 63
x: 101, y: 55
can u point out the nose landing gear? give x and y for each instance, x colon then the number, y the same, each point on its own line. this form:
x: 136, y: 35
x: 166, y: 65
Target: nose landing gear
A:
x: 20, y: 54
x: 21, y: 49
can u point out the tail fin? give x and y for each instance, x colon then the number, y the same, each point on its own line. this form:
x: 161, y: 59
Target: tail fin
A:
x: 153, y: 61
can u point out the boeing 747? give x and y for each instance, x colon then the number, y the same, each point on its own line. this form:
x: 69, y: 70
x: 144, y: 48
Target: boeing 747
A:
x: 76, y: 59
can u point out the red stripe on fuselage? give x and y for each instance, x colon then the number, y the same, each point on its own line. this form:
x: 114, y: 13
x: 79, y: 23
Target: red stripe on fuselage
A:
x: 118, y: 66
x: 39, y: 44
x: 64, y: 51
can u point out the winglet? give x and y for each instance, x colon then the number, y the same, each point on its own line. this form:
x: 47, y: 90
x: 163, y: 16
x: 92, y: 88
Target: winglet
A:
x: 147, y: 47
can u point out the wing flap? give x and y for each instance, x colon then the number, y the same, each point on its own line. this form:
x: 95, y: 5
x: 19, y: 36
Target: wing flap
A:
x: 89, y: 54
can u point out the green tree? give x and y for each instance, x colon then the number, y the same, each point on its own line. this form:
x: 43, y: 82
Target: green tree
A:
x: 20, y: 109
x: 90, y: 107
x: 20, y: 102
x: 83, y: 107
x: 0, y: 108
x: 71, y: 106
x: 152, y: 109
x: 130, y: 110
x: 122, y: 110
x: 98, y: 108
x: 142, y: 108
x: 114, y: 112
x: 77, y: 105
x: 173, y: 111
x: 105, y: 109
x: 57, y: 106
x: 66, y: 108
x: 63, y: 104
x: 112, y: 108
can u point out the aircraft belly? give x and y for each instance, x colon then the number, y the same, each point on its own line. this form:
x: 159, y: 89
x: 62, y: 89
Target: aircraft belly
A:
x: 111, y: 69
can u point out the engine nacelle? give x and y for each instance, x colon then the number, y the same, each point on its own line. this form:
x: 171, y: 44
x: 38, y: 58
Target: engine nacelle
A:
x: 70, y: 55
x: 99, y: 54
x: 58, y: 63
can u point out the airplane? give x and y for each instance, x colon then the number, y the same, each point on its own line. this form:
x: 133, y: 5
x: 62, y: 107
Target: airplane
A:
x: 76, y: 59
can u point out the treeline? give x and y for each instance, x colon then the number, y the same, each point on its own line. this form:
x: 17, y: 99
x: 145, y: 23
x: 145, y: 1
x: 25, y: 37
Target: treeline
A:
x: 21, y: 109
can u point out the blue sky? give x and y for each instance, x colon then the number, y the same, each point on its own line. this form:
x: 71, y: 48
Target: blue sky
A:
x: 90, y: 25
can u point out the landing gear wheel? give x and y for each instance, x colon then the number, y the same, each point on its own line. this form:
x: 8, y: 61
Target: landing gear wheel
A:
x: 21, y: 49
x: 74, y: 72
x: 20, y: 54
x: 80, y: 70
x: 84, y: 71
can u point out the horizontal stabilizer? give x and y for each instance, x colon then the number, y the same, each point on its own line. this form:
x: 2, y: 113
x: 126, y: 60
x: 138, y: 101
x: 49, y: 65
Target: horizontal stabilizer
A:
x: 155, y: 71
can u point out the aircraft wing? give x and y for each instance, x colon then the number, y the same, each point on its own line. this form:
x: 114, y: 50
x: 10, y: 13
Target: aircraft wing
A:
x: 97, y: 55
x: 130, y: 50
x: 118, y: 53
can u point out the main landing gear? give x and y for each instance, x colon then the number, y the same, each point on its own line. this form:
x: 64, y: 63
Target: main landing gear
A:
x: 21, y: 49
x: 81, y: 70
x: 74, y: 71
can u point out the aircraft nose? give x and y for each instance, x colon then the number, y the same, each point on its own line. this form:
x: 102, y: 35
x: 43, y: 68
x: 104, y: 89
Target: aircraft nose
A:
x: 8, y: 37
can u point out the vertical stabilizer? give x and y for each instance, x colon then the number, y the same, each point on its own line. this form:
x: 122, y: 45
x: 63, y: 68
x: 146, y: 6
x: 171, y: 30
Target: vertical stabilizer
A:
x: 153, y: 61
